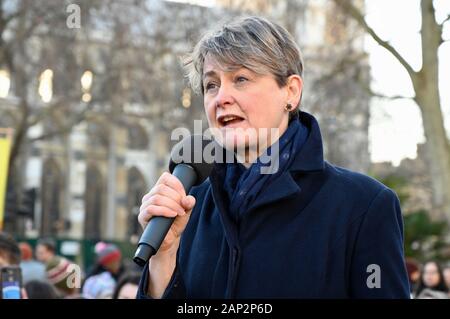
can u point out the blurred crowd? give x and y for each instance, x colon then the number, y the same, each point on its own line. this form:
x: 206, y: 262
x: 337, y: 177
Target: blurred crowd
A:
x: 429, y: 280
x: 47, y: 275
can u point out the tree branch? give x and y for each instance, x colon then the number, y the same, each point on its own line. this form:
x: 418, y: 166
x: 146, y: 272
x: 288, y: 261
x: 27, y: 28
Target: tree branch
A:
x: 445, y: 20
x: 63, y: 130
x: 349, y: 60
x: 356, y: 14
x: 441, y: 26
x: 54, y: 106
x: 10, y: 115
x: 366, y: 87
x: 389, y: 97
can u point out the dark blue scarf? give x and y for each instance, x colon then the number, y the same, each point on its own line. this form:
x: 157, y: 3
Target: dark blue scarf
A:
x: 243, y: 185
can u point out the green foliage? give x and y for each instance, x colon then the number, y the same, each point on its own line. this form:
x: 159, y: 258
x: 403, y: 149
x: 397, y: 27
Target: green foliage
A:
x: 424, y: 238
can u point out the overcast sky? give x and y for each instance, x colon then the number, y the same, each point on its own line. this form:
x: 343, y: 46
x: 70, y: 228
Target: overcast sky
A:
x: 396, y: 126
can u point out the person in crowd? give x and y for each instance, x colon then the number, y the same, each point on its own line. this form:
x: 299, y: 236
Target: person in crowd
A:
x: 31, y: 269
x: 413, y: 269
x: 63, y: 275
x: 45, y: 250
x: 127, y: 286
x: 432, y: 284
x: 37, y: 289
x: 446, y: 274
x: 9, y: 250
x: 101, y: 282
x: 10, y: 255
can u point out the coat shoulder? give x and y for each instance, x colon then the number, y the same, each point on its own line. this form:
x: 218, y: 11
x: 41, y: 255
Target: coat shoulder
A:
x: 355, y: 183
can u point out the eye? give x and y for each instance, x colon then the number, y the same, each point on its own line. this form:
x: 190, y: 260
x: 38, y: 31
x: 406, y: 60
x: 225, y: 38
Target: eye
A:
x: 210, y: 86
x: 241, y: 79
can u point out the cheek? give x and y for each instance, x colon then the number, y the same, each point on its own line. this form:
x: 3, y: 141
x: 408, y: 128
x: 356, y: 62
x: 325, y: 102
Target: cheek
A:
x: 253, y: 108
x: 430, y: 279
x: 210, y: 112
x: 265, y: 115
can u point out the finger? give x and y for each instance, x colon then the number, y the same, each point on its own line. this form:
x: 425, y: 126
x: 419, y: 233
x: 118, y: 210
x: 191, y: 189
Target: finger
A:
x: 153, y: 211
x: 166, y: 181
x: 173, y: 182
x: 165, y: 190
x: 143, y: 218
x: 188, y: 202
x: 161, y: 200
x: 146, y: 196
x: 152, y: 191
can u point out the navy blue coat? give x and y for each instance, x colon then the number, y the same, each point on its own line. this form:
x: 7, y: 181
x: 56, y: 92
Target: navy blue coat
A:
x: 318, y: 231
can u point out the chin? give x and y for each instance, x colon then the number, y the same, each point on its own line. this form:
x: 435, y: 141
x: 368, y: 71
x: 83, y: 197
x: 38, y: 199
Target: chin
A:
x: 236, y: 138
x: 239, y: 143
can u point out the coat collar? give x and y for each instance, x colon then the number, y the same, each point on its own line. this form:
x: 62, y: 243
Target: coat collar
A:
x: 308, y: 159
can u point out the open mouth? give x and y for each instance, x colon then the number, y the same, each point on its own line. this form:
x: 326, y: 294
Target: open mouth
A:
x: 229, y: 120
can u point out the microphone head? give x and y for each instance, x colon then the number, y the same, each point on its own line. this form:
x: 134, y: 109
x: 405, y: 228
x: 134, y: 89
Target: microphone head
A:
x: 197, y: 152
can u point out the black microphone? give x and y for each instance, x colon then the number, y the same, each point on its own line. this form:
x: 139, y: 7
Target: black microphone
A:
x: 189, y: 165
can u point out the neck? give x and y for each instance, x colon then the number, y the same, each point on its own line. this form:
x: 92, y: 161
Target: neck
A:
x: 248, y: 155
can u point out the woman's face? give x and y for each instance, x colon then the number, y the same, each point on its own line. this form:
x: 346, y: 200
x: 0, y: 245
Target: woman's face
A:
x: 430, y: 275
x: 242, y: 105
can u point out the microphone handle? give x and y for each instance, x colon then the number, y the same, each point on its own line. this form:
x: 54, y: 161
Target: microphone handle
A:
x: 158, y: 226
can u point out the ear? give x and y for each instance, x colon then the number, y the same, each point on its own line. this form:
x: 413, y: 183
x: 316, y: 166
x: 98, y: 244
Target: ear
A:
x: 294, y: 87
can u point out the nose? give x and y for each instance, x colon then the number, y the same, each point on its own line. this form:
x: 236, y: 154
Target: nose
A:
x: 224, y: 96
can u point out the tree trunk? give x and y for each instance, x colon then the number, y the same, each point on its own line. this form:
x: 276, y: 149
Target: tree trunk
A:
x: 437, y: 149
x: 426, y: 86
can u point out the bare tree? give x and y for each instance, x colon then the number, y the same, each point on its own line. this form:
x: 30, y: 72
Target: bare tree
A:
x: 34, y: 37
x: 131, y: 47
x: 426, y: 88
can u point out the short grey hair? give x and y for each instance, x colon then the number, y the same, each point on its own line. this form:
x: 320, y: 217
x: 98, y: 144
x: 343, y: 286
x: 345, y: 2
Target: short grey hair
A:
x: 253, y: 42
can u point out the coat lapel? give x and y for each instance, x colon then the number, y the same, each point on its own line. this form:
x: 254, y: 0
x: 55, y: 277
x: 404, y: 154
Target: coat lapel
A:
x: 284, y: 186
x: 300, y: 178
x: 221, y: 202
x: 308, y: 159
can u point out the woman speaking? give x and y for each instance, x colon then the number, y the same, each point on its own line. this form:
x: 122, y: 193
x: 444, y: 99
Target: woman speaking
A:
x: 308, y: 229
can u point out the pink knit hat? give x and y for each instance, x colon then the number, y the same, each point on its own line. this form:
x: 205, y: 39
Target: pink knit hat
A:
x: 107, y: 253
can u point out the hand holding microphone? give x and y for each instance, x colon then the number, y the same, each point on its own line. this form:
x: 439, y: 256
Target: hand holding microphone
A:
x: 165, y: 212
x: 165, y: 209
x: 167, y: 199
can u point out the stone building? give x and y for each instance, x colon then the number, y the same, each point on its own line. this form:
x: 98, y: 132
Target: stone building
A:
x: 90, y: 181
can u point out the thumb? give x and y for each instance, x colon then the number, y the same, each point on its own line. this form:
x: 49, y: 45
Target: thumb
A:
x: 188, y: 202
